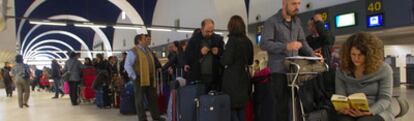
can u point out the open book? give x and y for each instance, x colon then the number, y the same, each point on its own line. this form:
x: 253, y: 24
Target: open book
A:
x: 357, y: 101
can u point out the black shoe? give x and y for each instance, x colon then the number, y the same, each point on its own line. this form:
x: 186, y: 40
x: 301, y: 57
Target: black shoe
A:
x: 63, y: 94
x: 55, y: 97
x: 26, y: 105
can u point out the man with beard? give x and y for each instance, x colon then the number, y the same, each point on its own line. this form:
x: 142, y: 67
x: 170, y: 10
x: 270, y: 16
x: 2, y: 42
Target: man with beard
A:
x: 283, y: 37
x: 203, y: 56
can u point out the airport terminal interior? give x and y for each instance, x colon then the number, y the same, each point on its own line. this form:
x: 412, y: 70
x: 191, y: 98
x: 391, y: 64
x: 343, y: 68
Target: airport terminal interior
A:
x: 107, y: 31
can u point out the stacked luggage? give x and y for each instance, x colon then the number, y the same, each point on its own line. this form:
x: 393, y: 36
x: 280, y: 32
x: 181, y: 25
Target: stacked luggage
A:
x: 189, y: 101
x: 214, y: 107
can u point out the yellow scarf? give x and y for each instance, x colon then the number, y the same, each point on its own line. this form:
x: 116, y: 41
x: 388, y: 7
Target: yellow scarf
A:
x: 145, y: 66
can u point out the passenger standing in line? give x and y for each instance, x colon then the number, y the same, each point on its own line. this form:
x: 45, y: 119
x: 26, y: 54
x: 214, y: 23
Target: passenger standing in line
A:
x: 176, y: 60
x: 203, y: 56
x: 283, y: 37
x: 123, y: 72
x: 113, y: 67
x: 57, y: 78
x: 183, y: 44
x: 141, y: 67
x: 74, y: 67
x: 103, y: 77
x: 237, y: 58
x: 148, y: 41
x: 37, y: 73
x: 321, y: 40
x: 21, y: 74
x: 172, y: 55
x: 44, y: 80
x: 102, y: 65
x: 7, y: 79
x: 88, y: 62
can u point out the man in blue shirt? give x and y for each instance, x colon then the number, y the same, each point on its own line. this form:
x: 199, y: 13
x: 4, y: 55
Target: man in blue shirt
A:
x: 141, y: 65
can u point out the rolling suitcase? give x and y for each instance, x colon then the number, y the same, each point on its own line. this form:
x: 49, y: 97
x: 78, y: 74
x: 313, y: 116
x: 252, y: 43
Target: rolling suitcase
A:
x: 66, y: 87
x: 172, y: 106
x: 186, y: 101
x: 249, y: 111
x: 172, y: 98
x: 103, y: 99
x: 127, y: 100
x: 161, y: 96
x: 214, y: 107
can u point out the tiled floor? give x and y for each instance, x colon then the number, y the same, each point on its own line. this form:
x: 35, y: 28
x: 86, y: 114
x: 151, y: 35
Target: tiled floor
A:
x: 43, y: 108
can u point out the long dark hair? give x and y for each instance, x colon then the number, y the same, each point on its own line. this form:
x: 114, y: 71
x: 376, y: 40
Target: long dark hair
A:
x: 236, y: 26
x: 179, y: 48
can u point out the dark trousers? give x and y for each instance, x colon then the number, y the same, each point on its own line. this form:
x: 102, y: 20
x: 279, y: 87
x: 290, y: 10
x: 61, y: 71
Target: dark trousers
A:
x: 57, y: 84
x: 73, y: 88
x: 280, y: 91
x: 9, y: 87
x: 150, y: 93
x: 211, y: 83
x: 365, y: 118
x: 34, y: 83
x: 238, y: 115
x: 263, y: 102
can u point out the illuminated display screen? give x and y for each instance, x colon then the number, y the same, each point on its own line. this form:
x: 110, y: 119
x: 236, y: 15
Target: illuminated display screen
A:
x: 326, y: 25
x: 375, y: 20
x: 345, y: 20
x: 258, y: 38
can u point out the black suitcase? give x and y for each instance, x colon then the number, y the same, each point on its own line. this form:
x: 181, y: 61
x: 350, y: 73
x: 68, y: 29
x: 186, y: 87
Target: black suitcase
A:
x: 186, y: 105
x: 214, y: 107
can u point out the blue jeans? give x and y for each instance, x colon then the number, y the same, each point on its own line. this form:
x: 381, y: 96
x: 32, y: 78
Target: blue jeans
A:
x: 238, y: 115
x: 58, y: 85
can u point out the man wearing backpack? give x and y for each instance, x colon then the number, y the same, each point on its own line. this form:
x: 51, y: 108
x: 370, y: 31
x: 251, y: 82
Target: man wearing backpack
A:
x: 21, y: 74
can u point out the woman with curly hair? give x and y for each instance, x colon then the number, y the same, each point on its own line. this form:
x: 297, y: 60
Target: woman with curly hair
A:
x: 362, y: 70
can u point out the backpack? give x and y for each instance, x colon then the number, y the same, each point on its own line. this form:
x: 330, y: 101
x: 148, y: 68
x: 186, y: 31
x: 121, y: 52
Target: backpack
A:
x: 26, y: 72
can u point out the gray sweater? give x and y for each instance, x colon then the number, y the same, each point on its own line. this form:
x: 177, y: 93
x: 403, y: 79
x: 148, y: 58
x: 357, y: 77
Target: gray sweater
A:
x: 276, y: 34
x: 377, y: 86
x: 75, y: 67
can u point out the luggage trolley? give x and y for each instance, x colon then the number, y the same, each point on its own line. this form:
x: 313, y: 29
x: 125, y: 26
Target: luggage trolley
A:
x: 300, y: 70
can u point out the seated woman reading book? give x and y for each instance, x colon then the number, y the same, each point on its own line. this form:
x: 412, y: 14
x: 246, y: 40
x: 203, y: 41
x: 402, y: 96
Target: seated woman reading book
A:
x: 362, y: 70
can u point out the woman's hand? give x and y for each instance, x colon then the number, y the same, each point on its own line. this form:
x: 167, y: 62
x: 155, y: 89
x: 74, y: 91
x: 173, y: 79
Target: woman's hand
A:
x: 354, y: 113
x: 345, y: 111
x: 357, y: 113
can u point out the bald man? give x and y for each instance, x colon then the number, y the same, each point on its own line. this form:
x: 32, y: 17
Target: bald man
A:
x: 283, y: 37
x: 203, y: 56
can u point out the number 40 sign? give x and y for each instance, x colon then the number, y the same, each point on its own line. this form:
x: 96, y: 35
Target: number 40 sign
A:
x: 374, y: 6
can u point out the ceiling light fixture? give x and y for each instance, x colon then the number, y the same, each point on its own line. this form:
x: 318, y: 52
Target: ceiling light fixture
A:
x: 159, y: 29
x: 48, y: 23
x: 90, y: 25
